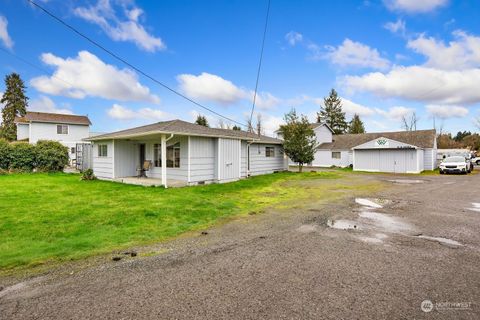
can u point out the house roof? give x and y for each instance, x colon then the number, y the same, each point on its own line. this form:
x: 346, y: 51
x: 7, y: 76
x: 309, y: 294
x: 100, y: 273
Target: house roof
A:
x: 420, y: 138
x: 318, y: 124
x: 184, y: 128
x: 31, y: 116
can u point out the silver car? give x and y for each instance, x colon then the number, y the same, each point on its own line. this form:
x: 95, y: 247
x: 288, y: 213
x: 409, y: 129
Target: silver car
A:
x: 456, y: 164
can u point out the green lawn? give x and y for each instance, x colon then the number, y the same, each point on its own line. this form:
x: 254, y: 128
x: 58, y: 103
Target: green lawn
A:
x: 50, y: 218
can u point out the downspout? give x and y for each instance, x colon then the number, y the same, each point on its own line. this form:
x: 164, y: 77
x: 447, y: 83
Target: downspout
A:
x: 248, y: 157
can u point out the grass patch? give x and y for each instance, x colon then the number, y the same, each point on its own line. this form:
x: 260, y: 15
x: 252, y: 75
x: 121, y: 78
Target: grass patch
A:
x: 50, y: 218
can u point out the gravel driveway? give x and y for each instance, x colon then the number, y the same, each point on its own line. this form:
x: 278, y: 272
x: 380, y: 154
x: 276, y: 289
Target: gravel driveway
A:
x: 378, y: 257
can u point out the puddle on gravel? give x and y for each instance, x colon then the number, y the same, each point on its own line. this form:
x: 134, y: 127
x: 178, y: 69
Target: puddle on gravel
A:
x: 406, y: 181
x: 307, y: 228
x: 343, y: 224
x: 368, y: 203
x: 475, y: 207
x: 441, y: 240
x: 385, y: 222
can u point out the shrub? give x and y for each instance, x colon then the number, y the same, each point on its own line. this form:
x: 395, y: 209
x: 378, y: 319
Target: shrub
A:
x: 5, y: 151
x: 22, y: 156
x: 88, y: 175
x: 51, y: 156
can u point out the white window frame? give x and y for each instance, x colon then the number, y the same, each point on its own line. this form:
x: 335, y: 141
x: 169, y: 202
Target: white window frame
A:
x: 102, y: 150
x: 336, y: 153
x: 172, y: 149
x: 63, y: 128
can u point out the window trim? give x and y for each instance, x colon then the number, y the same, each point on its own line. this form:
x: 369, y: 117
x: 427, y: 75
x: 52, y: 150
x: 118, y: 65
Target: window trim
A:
x: 173, y: 162
x: 336, y: 153
x: 102, y: 147
x: 269, y: 152
x: 61, y: 127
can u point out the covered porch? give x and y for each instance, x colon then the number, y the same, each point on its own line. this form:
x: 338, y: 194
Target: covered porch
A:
x: 151, y: 182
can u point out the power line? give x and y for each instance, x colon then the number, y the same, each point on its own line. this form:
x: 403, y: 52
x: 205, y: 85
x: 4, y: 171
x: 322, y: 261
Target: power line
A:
x: 34, y: 65
x: 114, y: 55
x: 260, y: 62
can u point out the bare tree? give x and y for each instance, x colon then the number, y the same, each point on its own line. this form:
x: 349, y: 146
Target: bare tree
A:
x: 249, y: 122
x: 477, y: 122
x: 410, y: 123
x: 259, y: 124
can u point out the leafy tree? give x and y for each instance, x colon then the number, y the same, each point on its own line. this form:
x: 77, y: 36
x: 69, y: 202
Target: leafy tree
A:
x: 15, y: 105
x: 236, y: 128
x: 299, y: 139
x: 356, y: 125
x: 202, y: 120
x: 472, y: 141
x: 331, y: 113
x: 460, y: 135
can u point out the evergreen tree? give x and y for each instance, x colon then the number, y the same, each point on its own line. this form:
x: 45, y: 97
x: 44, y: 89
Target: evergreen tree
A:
x: 202, y: 120
x: 331, y: 113
x: 236, y: 128
x: 356, y: 125
x: 299, y: 141
x: 15, y: 105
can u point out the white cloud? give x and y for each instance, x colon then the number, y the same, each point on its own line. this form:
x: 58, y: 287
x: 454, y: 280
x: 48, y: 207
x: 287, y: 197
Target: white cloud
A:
x: 87, y: 75
x: 395, y: 113
x: 45, y: 104
x: 293, y: 38
x: 398, y: 26
x: 351, y: 53
x: 348, y: 106
x: 270, y: 123
x: 122, y: 113
x: 4, y: 36
x: 420, y: 83
x: 210, y: 87
x: 445, y: 112
x: 463, y: 53
x: 414, y: 6
x: 125, y: 28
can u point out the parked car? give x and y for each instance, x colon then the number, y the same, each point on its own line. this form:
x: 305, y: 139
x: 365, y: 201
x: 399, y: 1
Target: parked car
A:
x: 476, y: 160
x: 456, y: 164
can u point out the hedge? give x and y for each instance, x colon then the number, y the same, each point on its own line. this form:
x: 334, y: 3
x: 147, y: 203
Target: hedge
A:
x: 24, y: 157
x: 51, y: 156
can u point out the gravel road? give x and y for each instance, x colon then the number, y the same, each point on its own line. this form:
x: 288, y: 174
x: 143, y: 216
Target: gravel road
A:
x: 374, y: 258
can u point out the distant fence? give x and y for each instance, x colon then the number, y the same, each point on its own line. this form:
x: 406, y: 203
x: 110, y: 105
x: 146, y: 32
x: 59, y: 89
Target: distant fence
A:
x: 84, y: 156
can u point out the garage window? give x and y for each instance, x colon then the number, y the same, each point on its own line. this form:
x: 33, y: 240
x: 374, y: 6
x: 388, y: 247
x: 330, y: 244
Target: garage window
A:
x: 102, y: 150
x: 269, y: 152
x: 336, y: 155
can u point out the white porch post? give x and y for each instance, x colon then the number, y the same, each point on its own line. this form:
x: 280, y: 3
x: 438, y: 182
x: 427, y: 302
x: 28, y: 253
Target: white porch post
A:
x: 164, y: 160
x: 188, y: 160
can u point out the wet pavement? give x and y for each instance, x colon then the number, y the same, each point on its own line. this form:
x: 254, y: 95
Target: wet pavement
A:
x: 388, y: 255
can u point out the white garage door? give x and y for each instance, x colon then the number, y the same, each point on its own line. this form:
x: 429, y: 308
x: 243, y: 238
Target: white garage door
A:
x: 386, y: 160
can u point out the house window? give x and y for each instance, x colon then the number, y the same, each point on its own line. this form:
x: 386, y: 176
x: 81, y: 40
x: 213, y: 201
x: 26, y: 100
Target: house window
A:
x: 72, y: 150
x: 269, y: 152
x: 173, y: 155
x: 62, y: 129
x: 102, y: 150
x: 336, y: 155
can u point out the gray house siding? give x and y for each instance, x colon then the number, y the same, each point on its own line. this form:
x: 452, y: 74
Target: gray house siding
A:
x: 260, y: 164
x: 244, y: 164
x: 323, y: 158
x: 126, y: 158
x: 323, y: 134
x: 103, y: 166
x: 202, y: 159
x: 387, y: 160
x: 430, y: 159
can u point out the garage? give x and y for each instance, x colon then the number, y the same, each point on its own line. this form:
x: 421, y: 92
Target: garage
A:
x: 386, y: 160
x: 388, y: 155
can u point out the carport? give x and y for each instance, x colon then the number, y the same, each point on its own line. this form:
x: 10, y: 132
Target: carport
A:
x: 387, y: 155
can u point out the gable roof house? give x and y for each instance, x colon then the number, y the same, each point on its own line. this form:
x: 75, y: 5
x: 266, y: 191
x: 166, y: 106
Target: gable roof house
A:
x: 65, y: 128
x: 183, y: 153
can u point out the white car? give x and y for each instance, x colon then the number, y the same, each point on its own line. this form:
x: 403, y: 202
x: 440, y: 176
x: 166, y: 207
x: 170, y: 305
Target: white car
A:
x: 455, y: 164
x: 476, y: 160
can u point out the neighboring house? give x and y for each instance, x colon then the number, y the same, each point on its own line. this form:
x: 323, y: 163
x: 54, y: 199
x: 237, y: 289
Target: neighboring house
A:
x: 64, y: 128
x: 398, y: 152
x: 186, y: 152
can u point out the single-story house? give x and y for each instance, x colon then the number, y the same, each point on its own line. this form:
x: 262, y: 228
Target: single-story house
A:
x: 184, y: 152
x: 398, y: 152
x: 67, y: 129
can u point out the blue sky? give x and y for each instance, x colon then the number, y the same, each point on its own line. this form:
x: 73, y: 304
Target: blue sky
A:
x: 386, y: 59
